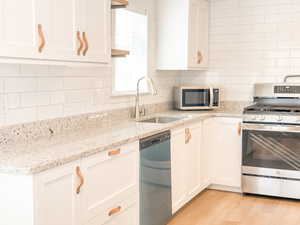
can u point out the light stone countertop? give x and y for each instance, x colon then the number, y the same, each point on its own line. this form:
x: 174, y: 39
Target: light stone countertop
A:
x: 47, y: 153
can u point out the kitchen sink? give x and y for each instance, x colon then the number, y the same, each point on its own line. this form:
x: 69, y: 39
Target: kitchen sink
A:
x: 161, y: 119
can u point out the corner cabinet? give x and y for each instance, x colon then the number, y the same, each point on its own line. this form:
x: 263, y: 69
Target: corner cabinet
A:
x: 101, y: 189
x: 223, y: 145
x: 182, y: 34
x: 55, y: 30
x: 205, y: 154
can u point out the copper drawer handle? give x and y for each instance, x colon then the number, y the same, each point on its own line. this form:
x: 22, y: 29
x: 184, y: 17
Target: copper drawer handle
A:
x: 200, y: 57
x: 42, y: 38
x: 115, y: 211
x: 81, y: 43
x: 114, y: 152
x: 81, y: 178
x: 86, y: 42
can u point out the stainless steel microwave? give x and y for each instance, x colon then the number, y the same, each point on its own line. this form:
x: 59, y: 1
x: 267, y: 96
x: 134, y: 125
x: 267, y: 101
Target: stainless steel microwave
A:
x: 196, y: 98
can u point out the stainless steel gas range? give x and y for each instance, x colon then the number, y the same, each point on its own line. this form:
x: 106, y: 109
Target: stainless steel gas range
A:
x: 271, y: 142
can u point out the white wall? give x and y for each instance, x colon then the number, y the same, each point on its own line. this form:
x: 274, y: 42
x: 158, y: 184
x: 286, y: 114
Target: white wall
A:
x: 251, y: 41
x: 33, y: 92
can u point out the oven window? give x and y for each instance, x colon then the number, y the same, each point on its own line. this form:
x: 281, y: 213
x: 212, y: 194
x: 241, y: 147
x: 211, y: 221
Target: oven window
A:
x: 196, y: 97
x: 271, y: 149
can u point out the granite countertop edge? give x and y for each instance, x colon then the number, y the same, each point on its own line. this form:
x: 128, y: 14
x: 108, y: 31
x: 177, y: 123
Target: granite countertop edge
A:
x: 39, y: 166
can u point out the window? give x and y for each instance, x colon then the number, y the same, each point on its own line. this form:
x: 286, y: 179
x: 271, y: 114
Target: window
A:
x: 131, y: 33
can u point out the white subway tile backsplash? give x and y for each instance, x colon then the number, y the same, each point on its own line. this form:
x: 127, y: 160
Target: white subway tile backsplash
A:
x: 13, y: 101
x: 35, y: 99
x: 57, y: 98
x: 20, y: 84
x: 50, y: 84
x: 50, y: 112
x: 260, y: 43
x: 21, y: 115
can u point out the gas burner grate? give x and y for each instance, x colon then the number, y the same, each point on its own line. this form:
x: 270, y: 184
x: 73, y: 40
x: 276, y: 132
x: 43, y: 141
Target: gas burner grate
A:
x: 272, y: 109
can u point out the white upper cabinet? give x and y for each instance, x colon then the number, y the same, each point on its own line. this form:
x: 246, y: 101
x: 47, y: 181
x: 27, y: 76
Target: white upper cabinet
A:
x: 18, y: 29
x: 182, y: 35
x: 57, y: 30
x: 58, y: 22
x: 95, y: 27
x: 198, y: 34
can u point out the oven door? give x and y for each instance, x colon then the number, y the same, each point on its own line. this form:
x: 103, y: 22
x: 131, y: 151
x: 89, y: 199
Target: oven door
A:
x: 267, y: 147
x: 197, y: 98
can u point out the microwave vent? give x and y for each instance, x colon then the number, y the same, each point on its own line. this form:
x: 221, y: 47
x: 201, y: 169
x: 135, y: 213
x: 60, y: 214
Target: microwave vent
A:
x: 286, y: 89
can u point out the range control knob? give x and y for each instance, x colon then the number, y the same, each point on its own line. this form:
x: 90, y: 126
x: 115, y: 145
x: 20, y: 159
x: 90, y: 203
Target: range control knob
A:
x: 279, y: 118
x: 254, y: 118
x: 262, y: 118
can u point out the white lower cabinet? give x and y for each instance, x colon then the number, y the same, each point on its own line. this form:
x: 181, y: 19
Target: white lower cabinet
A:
x: 205, y: 153
x: 194, y: 172
x: 223, y: 144
x: 56, y: 199
x: 111, y: 185
x: 186, y: 164
x: 101, y: 189
x: 179, y: 169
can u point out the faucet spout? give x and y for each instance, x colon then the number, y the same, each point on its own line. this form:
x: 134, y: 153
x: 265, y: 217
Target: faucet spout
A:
x: 137, y: 99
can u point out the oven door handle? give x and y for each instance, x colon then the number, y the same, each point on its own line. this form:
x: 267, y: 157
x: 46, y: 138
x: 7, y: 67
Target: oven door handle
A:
x: 271, y: 127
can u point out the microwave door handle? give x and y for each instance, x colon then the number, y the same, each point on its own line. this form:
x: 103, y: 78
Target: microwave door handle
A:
x: 211, y: 97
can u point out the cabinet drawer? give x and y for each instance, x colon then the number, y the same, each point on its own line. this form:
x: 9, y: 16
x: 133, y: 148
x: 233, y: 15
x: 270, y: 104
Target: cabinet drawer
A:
x: 115, y: 207
x: 129, y: 216
x: 108, y: 176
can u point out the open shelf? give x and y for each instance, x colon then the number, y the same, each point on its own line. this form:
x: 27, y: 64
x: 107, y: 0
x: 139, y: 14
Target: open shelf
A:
x: 119, y: 53
x: 119, y: 4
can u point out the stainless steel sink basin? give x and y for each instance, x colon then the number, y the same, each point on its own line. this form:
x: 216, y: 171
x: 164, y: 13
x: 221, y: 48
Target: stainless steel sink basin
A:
x: 161, y: 119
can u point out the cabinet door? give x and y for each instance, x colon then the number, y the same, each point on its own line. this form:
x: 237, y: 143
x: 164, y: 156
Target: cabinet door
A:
x: 59, y: 23
x: 179, y: 169
x: 95, y: 23
x: 111, y: 181
x: 193, y: 152
x: 198, y: 33
x: 206, y: 151
x: 56, y: 198
x: 227, y: 152
x: 18, y: 29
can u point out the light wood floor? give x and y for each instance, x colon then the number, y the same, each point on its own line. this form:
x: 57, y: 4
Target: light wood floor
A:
x: 225, y: 208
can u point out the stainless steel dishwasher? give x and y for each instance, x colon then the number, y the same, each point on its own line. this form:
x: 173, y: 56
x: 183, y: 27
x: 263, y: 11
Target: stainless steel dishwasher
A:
x: 155, y: 180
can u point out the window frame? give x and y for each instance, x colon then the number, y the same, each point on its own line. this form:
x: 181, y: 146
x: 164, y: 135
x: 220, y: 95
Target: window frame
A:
x: 114, y: 92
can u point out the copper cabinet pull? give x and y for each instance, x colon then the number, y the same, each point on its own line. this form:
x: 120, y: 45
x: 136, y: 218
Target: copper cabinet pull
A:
x: 199, y: 57
x: 42, y: 38
x: 115, y: 211
x: 81, y: 43
x: 81, y: 178
x: 114, y: 152
x: 86, y: 42
x: 188, y: 135
x: 240, y: 129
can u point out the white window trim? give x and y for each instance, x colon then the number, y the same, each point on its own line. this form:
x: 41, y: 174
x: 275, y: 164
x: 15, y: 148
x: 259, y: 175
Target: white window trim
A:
x: 115, y: 93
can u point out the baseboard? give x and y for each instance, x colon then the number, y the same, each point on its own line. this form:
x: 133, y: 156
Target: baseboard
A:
x: 225, y: 188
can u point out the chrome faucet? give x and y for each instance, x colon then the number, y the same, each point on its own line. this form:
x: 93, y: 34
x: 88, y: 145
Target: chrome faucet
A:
x: 138, y: 110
